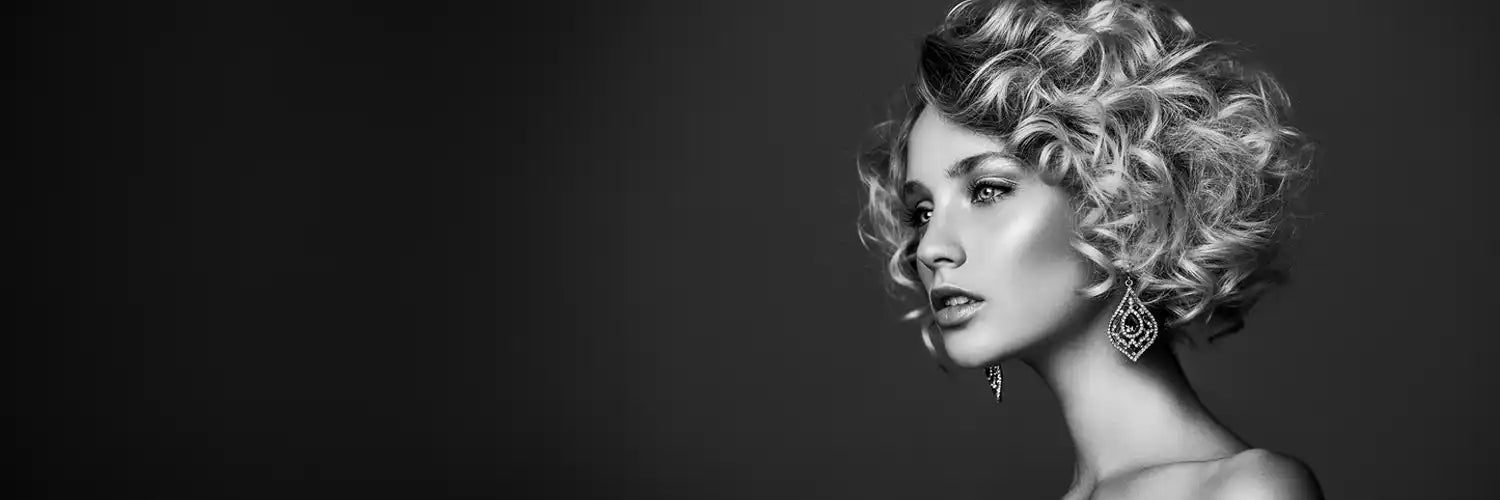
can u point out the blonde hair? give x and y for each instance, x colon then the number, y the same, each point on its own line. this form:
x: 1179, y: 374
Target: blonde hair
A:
x: 1177, y: 155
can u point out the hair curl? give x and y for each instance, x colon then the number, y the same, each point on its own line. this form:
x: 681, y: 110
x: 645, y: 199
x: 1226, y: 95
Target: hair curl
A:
x: 1177, y: 156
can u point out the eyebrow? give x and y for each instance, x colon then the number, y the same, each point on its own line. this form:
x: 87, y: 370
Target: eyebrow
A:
x: 958, y: 169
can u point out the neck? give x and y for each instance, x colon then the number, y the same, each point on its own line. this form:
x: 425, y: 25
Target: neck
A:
x: 1122, y: 415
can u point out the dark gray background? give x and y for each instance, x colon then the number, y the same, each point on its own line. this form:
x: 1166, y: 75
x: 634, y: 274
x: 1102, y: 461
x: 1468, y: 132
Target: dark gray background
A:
x: 607, y: 249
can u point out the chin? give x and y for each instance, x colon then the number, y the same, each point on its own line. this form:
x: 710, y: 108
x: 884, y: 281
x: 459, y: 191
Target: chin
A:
x: 973, y: 346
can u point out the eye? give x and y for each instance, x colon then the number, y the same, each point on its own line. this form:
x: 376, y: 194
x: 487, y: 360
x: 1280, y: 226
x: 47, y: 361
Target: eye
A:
x: 987, y: 191
x: 918, y: 216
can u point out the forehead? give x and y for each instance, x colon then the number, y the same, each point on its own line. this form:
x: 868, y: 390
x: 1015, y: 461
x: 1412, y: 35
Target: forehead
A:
x: 936, y: 142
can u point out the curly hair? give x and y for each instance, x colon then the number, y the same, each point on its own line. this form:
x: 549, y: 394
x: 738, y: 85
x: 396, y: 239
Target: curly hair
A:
x: 1177, y: 156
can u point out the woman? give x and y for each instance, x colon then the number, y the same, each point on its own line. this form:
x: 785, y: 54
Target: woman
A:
x: 1079, y: 189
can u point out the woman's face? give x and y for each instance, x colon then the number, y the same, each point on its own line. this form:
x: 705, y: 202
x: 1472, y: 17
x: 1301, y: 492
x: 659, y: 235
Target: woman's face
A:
x: 992, y: 232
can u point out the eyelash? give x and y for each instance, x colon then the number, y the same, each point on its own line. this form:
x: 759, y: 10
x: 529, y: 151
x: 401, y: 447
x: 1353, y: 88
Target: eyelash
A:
x: 911, y: 215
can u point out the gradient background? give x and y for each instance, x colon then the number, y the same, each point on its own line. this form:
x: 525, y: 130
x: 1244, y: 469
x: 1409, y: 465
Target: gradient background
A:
x: 607, y: 250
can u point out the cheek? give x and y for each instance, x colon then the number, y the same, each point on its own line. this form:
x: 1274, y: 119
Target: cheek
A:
x: 1042, y: 269
x: 924, y: 275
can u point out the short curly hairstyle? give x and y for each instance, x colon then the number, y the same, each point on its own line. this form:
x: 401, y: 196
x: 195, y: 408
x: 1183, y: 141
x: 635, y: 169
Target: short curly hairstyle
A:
x: 1177, y: 156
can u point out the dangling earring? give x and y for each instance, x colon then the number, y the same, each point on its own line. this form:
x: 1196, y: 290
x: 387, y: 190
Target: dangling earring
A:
x: 992, y: 373
x: 1131, y: 328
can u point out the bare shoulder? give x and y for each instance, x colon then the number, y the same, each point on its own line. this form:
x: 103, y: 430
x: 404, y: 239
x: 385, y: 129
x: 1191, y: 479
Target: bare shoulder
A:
x: 1257, y: 474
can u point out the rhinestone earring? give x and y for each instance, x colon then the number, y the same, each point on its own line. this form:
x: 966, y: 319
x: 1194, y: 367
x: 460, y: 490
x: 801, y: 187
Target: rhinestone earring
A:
x: 1132, y: 328
x: 992, y: 373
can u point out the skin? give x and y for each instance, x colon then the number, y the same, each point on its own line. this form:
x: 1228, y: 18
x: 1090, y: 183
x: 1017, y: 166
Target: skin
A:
x: 1004, y: 233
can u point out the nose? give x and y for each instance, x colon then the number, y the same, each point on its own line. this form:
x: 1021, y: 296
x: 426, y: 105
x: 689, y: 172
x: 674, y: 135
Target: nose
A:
x: 939, y: 247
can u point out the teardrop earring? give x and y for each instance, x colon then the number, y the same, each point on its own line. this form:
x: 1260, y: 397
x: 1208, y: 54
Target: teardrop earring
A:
x: 1132, y: 328
x: 992, y: 373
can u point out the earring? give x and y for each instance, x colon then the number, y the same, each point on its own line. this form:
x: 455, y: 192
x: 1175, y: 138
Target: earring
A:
x: 1132, y: 328
x: 992, y: 373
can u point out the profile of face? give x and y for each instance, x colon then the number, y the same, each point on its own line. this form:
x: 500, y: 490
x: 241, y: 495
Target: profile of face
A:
x: 995, y: 234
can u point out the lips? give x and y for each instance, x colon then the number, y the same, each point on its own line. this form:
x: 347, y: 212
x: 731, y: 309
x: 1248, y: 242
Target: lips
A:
x: 953, y: 306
